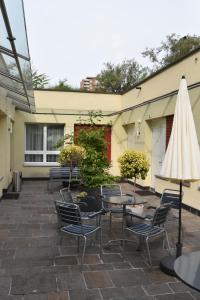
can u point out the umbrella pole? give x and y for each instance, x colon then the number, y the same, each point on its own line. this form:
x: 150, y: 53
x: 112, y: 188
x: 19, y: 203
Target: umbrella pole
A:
x: 179, y: 244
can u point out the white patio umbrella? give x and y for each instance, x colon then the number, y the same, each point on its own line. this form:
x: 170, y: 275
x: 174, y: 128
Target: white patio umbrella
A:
x: 182, y: 158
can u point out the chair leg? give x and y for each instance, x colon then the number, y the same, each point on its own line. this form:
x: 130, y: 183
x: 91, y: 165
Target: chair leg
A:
x: 100, y: 242
x: 148, y: 250
x: 78, y: 243
x: 85, y: 241
x: 61, y: 237
x: 167, y: 239
x: 110, y: 221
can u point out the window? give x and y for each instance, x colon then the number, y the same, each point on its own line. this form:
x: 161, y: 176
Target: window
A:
x: 40, y: 143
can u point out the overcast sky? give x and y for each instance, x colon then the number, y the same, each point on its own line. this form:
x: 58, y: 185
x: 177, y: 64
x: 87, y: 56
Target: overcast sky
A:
x: 73, y: 38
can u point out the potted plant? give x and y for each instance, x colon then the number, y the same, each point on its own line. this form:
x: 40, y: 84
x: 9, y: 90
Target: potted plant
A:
x: 70, y: 156
x: 133, y: 164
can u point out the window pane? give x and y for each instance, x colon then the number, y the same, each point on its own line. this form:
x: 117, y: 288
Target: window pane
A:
x: 34, y: 137
x: 33, y: 158
x: 17, y: 22
x: 52, y: 157
x: 54, y: 134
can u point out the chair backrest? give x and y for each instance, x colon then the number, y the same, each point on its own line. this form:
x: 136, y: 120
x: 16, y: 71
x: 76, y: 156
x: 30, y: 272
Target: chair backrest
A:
x: 160, y: 215
x: 111, y: 190
x: 66, y: 195
x: 68, y: 213
x: 171, y: 197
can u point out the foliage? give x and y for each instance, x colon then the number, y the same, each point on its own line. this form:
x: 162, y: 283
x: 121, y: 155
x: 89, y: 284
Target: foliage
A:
x: 64, y: 86
x: 94, y: 117
x: 118, y: 78
x: 133, y: 164
x: 170, y: 50
x: 67, y: 140
x: 39, y: 80
x: 94, y: 166
x: 71, y: 155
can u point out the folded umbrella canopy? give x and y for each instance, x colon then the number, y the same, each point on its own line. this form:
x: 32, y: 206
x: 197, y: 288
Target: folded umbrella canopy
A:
x: 182, y: 158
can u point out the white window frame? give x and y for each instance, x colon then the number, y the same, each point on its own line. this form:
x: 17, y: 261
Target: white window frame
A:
x: 43, y: 152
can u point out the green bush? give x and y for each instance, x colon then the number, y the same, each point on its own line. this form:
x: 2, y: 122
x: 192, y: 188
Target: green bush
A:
x: 133, y: 164
x: 94, y: 166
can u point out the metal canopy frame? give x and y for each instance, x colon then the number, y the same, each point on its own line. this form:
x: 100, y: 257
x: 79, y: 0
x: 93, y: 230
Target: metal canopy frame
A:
x: 27, y: 106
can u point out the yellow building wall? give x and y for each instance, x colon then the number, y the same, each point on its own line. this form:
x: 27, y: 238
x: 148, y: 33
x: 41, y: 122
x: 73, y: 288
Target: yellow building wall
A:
x: 165, y: 82
x: 6, y: 119
x: 60, y: 102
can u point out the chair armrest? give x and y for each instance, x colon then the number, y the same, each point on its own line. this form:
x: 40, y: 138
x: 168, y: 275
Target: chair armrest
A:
x: 96, y: 213
x: 81, y: 204
x: 151, y: 207
x: 135, y: 215
x: 127, y: 194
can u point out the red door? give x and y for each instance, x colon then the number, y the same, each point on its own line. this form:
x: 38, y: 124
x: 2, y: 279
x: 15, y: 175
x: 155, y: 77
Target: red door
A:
x: 107, y: 135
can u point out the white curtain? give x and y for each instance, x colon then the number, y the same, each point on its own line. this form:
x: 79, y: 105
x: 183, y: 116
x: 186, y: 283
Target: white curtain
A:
x: 34, y: 137
x: 54, y: 134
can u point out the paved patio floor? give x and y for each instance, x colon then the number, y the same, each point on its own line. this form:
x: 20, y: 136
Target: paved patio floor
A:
x: 33, y: 266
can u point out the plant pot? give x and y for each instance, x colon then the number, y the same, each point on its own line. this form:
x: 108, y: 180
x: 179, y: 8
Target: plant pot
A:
x: 93, y: 199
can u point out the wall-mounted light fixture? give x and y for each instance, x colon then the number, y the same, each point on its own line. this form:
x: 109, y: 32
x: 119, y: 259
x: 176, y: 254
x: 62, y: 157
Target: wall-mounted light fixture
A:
x: 138, y: 127
x: 138, y: 87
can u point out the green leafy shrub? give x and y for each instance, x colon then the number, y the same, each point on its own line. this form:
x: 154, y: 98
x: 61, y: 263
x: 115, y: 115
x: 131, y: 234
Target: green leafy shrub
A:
x: 133, y: 164
x: 94, y: 166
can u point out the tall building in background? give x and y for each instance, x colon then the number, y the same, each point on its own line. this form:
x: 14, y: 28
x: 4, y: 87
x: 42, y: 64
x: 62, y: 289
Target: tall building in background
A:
x: 88, y: 84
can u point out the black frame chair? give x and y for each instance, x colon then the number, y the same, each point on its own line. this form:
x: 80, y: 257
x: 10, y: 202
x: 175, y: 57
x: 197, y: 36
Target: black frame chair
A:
x: 70, y: 222
x: 152, y: 229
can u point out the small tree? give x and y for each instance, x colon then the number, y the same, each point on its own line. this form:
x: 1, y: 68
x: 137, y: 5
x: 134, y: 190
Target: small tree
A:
x: 94, y: 166
x: 71, y: 156
x: 133, y: 164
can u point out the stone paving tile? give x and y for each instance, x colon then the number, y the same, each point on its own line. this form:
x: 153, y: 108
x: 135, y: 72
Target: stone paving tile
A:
x: 50, y: 296
x: 66, y: 260
x: 178, y: 287
x: 129, y: 277
x: 177, y: 296
x: 135, y: 291
x: 91, y: 259
x: 113, y: 293
x: 39, y: 253
x: 121, y: 265
x: 110, y: 258
x: 70, y: 281
x: 5, y: 283
x: 157, y: 276
x: 36, y: 283
x: 10, y: 297
x: 156, y: 289
x: 93, y: 294
x: 97, y: 279
x: 20, y: 263
x: 100, y: 267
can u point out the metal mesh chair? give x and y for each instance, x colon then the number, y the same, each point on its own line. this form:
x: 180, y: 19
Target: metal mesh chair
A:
x: 153, y: 229
x: 66, y: 195
x: 70, y: 222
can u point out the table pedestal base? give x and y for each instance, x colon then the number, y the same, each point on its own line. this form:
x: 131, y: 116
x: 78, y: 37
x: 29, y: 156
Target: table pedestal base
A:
x: 167, y: 265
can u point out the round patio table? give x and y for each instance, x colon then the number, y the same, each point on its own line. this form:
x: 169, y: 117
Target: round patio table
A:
x: 187, y: 269
x: 123, y: 201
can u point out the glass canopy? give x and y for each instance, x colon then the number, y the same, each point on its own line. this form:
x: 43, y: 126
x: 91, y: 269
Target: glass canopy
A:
x: 15, y: 68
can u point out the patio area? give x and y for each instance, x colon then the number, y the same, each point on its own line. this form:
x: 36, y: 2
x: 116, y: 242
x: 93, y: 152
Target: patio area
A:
x: 33, y: 266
